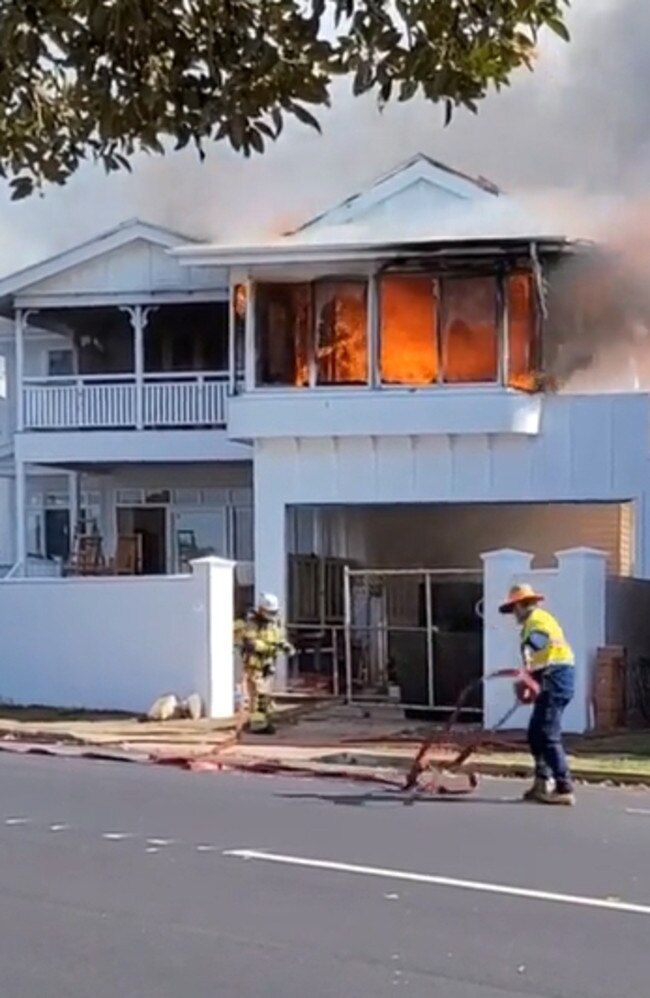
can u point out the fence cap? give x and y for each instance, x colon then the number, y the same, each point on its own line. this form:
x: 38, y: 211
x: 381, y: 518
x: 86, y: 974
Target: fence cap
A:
x: 211, y: 561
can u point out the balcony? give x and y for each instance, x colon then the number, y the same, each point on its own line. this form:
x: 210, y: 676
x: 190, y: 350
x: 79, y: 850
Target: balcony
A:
x: 123, y: 402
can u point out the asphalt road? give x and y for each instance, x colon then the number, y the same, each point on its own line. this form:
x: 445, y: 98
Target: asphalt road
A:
x: 131, y: 881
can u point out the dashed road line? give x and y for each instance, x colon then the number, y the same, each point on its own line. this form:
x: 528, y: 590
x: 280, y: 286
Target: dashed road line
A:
x: 152, y: 845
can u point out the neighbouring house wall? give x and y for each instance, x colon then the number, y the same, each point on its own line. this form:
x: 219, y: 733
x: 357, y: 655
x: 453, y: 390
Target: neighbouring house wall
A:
x: 118, y: 643
x: 7, y: 552
x: 628, y: 625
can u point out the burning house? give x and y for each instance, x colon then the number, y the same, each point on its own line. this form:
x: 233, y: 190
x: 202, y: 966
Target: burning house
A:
x: 395, y: 377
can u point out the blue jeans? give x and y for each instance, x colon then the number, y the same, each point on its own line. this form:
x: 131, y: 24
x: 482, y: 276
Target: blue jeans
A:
x: 545, y: 728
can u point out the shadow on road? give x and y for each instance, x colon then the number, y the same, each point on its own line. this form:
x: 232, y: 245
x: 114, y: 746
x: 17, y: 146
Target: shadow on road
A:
x: 383, y: 797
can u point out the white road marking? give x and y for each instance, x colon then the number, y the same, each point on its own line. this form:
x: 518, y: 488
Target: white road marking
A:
x: 16, y: 821
x: 638, y: 810
x: 482, y: 887
x: 58, y: 828
x: 117, y: 836
x: 160, y: 842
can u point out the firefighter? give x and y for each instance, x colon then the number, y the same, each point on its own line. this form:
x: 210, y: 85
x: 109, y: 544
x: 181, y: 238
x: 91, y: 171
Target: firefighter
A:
x: 260, y: 638
x: 548, y: 657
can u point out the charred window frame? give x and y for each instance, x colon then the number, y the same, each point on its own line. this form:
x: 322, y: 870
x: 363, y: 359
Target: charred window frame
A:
x: 312, y: 334
x: 510, y: 334
x: 237, y: 337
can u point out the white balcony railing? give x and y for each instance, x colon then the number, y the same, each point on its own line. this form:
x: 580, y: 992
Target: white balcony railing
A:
x: 121, y: 402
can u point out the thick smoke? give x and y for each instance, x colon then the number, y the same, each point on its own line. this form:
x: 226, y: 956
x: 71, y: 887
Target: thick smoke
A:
x: 572, y: 139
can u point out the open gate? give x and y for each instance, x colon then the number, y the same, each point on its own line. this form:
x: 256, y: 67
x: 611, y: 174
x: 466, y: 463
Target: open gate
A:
x: 412, y: 636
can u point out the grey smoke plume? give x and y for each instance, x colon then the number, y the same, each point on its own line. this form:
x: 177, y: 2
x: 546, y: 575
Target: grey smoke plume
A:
x: 577, y: 124
x: 573, y: 138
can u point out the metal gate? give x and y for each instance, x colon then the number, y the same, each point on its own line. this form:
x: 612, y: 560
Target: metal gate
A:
x: 412, y: 636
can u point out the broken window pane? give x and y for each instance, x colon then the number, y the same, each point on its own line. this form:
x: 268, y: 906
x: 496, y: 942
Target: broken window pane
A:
x: 521, y: 331
x: 470, y: 340
x: 407, y: 330
x: 283, y: 330
x: 341, y: 333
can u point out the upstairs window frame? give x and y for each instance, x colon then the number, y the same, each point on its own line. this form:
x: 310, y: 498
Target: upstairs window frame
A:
x: 504, y: 375
x: 313, y: 361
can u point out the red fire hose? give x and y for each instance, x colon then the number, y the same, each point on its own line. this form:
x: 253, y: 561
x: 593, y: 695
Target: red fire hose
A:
x: 526, y: 690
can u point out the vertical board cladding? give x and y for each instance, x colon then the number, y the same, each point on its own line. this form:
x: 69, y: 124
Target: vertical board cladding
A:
x: 579, y: 455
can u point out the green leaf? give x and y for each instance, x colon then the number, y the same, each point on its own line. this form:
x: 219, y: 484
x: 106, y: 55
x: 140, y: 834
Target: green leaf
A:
x: 305, y: 116
x: 558, y: 26
x: 102, y: 79
x: 363, y: 79
x: 256, y: 141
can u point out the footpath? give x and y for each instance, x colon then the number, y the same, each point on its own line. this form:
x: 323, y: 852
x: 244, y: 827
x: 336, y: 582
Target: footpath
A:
x: 312, y: 739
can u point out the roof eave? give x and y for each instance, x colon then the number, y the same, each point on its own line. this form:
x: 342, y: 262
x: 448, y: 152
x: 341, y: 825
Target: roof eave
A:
x: 250, y: 256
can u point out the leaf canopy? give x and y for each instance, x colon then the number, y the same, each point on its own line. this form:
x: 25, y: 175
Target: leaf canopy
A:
x: 104, y: 79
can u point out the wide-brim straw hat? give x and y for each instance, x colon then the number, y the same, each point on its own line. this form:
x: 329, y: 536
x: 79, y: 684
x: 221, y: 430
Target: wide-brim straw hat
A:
x: 518, y: 596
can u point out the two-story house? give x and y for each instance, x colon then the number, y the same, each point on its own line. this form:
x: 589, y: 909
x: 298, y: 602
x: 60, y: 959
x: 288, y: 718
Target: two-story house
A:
x: 393, y: 393
x: 117, y: 372
x: 367, y: 391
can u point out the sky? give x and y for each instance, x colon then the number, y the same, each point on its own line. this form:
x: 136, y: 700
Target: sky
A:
x: 573, y: 137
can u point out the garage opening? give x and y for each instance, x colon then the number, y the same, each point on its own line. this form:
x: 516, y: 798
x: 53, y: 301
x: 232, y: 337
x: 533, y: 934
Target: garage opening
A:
x: 385, y: 600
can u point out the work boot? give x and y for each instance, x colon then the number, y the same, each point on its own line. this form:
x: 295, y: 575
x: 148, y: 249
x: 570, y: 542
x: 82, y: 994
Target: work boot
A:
x: 540, y: 790
x: 563, y: 795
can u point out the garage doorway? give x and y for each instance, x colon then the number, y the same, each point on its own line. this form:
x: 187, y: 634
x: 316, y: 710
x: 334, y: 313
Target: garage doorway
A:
x: 447, y: 538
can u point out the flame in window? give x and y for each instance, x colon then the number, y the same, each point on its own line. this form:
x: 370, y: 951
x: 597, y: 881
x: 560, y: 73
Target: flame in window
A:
x: 240, y: 301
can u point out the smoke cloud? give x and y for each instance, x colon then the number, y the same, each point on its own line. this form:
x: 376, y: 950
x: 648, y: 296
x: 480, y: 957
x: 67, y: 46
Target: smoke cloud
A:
x: 571, y: 140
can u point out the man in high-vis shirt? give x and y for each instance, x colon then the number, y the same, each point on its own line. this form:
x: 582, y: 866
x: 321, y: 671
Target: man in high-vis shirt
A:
x: 548, y: 656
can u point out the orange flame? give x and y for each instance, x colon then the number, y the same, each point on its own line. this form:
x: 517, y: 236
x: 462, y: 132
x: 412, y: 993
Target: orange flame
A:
x: 240, y: 301
x: 521, y: 333
x: 416, y: 335
x: 408, y: 354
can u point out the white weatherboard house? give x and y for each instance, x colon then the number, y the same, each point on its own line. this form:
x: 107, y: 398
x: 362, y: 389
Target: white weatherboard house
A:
x: 117, y: 383
x: 359, y: 395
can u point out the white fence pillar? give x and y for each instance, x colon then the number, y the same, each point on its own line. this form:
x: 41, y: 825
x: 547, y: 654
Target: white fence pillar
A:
x: 217, y: 576
x: 575, y: 593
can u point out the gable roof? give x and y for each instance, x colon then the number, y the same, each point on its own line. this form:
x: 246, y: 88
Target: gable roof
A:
x: 419, y: 169
x: 421, y: 202
x: 128, y: 232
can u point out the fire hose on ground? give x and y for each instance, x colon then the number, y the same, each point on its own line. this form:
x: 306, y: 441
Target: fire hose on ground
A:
x: 525, y: 690
x: 437, y: 773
